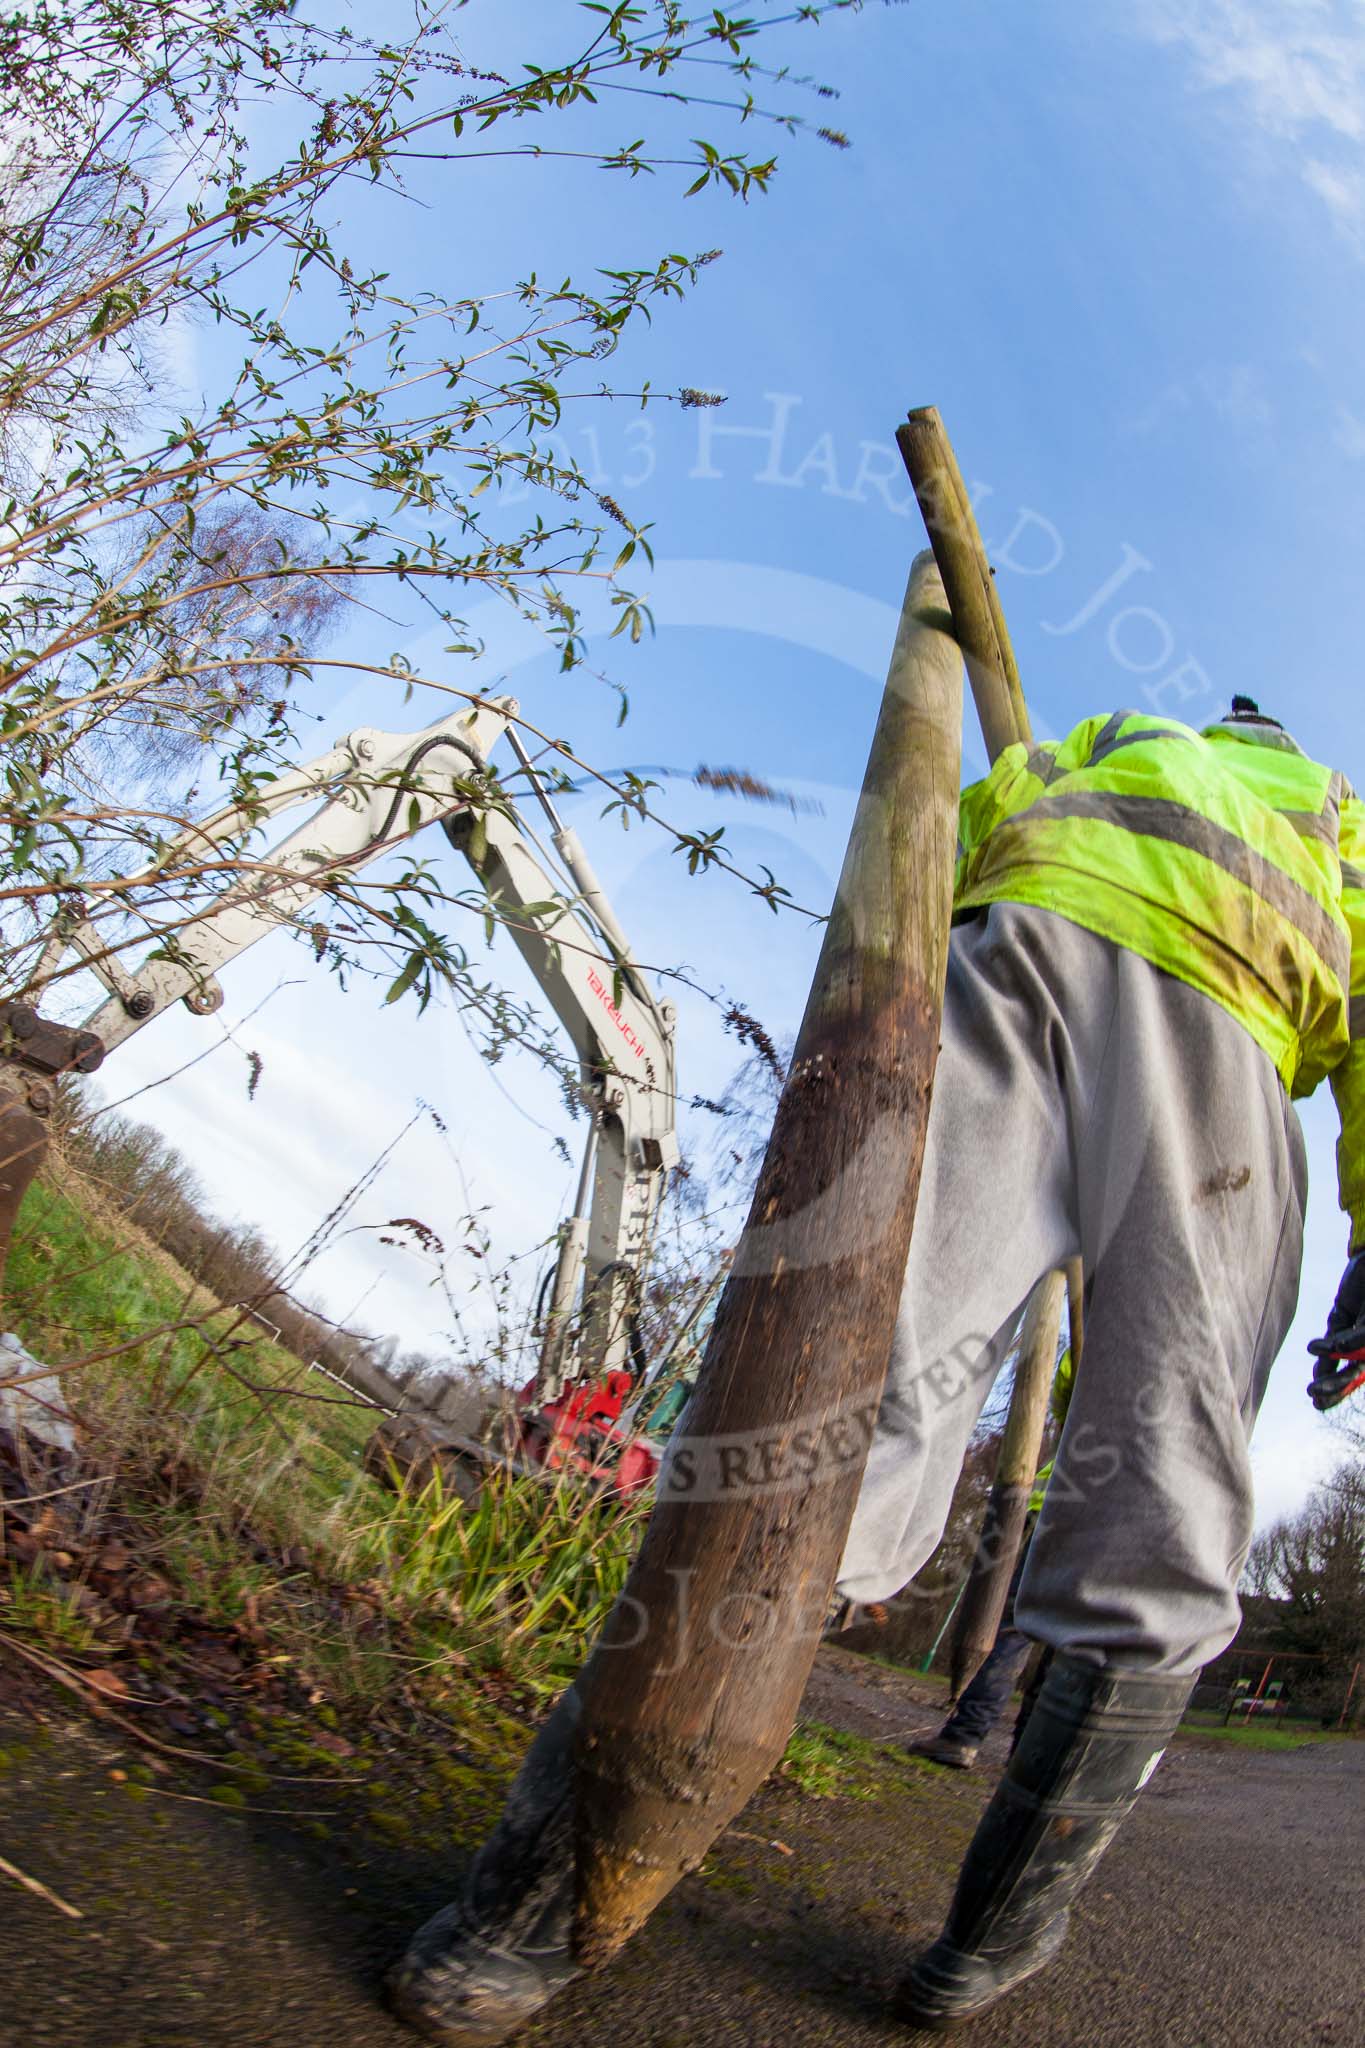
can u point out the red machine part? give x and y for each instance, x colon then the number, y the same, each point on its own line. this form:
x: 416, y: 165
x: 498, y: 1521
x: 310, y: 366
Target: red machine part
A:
x: 578, y: 1433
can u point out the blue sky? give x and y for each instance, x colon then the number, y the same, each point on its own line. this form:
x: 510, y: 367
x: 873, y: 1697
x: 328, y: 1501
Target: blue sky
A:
x: 1123, y: 251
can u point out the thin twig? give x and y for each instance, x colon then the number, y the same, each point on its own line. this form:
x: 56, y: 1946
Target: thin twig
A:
x: 97, y: 1357
x: 224, y: 1806
x: 39, y: 1889
x: 79, y: 1680
x: 64, y: 1675
x: 28, y: 1500
x: 106, y: 1108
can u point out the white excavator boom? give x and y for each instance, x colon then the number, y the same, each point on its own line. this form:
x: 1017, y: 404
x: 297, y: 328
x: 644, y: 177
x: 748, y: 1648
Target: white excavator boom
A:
x: 370, y: 793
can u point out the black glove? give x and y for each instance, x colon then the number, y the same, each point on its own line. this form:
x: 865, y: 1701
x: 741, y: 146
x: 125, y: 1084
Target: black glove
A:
x: 1341, y: 1353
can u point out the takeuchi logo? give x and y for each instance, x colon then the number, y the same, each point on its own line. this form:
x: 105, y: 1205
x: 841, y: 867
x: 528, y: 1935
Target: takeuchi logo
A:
x: 603, y: 994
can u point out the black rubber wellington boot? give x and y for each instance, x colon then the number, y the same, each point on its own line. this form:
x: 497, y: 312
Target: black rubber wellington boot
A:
x: 1093, y: 1739
x: 486, y: 1965
x: 956, y: 1752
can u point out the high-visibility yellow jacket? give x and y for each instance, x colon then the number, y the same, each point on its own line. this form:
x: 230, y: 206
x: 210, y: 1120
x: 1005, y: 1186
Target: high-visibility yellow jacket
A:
x: 1226, y: 857
x: 1059, y: 1400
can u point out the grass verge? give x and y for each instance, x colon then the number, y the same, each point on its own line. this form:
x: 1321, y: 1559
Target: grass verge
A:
x: 218, y: 1562
x: 1274, y: 1735
x: 217, y: 1551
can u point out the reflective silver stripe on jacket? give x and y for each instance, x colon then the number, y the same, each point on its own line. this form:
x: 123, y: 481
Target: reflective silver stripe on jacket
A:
x: 1324, y: 825
x: 1160, y: 817
x: 1042, y: 764
x: 1312, y: 825
x: 1352, y: 878
x: 1109, y: 732
x: 1357, y: 1019
x: 1111, y: 735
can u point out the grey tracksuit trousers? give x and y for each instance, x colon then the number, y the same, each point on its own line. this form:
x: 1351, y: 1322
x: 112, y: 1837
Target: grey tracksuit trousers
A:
x: 1086, y: 1102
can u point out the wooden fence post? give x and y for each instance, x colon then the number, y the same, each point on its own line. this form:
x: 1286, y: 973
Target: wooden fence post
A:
x: 1075, y: 1311
x: 23, y: 1148
x: 986, y: 1591
x: 1002, y: 1526
x: 694, y: 1687
x: 34, y: 1053
x: 994, y: 676
x: 978, y: 619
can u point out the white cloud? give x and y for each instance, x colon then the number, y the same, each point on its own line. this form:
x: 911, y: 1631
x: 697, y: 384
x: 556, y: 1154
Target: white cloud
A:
x: 1297, y: 68
x: 1234, y: 392
x: 1300, y: 63
x: 1349, y: 434
x: 1237, y: 393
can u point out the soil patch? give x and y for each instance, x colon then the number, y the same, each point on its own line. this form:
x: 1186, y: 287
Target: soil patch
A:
x: 210, y: 1925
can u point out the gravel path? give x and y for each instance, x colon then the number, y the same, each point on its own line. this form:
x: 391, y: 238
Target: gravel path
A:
x: 1229, y: 1911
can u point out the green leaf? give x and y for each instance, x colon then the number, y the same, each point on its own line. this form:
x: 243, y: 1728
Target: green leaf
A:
x: 411, y: 969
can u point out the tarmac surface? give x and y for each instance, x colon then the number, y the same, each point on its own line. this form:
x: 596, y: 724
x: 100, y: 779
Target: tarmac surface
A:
x: 1229, y: 1911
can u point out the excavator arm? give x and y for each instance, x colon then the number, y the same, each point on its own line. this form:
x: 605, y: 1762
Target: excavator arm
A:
x: 624, y: 1041
x: 371, y: 792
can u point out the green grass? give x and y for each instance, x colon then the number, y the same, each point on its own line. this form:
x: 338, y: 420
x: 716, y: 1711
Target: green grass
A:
x: 829, y: 1763
x: 252, y: 1500
x: 526, y: 1576
x: 1275, y: 1735
x: 78, y: 1287
x: 33, y: 1607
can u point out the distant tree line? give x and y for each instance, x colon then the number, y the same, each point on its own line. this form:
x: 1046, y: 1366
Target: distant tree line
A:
x: 144, y: 1180
x: 1304, y: 1588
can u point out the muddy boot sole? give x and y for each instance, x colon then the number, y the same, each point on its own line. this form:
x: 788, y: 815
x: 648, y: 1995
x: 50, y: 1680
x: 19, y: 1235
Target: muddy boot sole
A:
x: 461, y: 1990
x: 947, y: 1989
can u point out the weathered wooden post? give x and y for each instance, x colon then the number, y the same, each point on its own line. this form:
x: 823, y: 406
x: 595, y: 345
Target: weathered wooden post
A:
x: 33, y: 1054
x: 993, y: 673
x: 1002, y: 1527
x: 981, y: 1606
x: 978, y: 619
x: 23, y: 1148
x: 696, y: 1683
x: 1075, y: 1309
